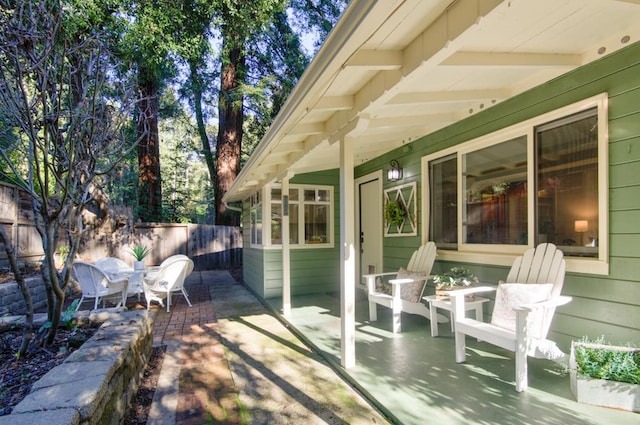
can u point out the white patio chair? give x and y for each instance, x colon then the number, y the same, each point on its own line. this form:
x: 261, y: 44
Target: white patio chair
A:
x: 169, y: 278
x: 115, y: 267
x: 96, y: 284
x: 523, y: 310
x: 406, y: 289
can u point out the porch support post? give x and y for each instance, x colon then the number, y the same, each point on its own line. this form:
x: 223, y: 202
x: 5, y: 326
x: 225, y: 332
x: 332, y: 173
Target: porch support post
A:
x: 286, y: 260
x: 347, y: 256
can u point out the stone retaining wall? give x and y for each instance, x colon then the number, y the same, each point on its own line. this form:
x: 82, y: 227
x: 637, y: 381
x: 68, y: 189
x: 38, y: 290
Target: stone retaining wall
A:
x: 12, y: 303
x: 96, y: 383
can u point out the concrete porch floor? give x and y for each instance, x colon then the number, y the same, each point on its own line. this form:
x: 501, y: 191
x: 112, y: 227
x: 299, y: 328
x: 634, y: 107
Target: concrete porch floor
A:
x: 414, y: 378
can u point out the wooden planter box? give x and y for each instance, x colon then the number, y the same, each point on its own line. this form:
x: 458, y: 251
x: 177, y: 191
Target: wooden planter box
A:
x: 600, y: 392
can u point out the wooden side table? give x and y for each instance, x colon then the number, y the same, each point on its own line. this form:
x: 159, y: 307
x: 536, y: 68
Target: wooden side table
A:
x: 445, y: 304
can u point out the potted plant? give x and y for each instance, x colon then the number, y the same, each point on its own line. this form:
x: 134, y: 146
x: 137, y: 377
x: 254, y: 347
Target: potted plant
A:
x: 606, y: 375
x: 139, y: 252
x: 456, y: 278
x: 395, y: 212
x: 63, y: 251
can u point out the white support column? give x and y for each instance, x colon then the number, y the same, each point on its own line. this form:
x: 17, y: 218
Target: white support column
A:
x: 347, y: 256
x: 286, y: 259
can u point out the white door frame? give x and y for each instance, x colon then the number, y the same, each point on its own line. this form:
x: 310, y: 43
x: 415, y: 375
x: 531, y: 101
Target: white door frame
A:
x: 377, y: 177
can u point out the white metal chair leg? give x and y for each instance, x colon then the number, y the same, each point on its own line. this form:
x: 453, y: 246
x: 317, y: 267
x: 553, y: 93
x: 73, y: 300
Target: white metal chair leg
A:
x: 80, y: 303
x: 186, y: 297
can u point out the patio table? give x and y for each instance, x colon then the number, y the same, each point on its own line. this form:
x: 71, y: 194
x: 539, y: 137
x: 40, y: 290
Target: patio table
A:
x: 136, y: 278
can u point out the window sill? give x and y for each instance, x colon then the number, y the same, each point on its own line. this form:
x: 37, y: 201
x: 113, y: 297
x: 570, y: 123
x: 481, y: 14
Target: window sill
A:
x: 574, y: 264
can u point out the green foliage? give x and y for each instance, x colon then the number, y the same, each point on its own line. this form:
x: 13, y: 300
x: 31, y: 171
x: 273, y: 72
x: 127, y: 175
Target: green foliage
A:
x: 60, y: 98
x: 139, y: 252
x: 605, y: 363
x: 395, y: 212
x: 67, y: 315
x: 457, y: 276
x: 318, y: 16
x: 63, y: 250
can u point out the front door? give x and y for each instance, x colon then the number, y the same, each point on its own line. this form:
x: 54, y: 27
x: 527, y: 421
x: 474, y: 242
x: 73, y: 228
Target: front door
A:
x: 369, y: 196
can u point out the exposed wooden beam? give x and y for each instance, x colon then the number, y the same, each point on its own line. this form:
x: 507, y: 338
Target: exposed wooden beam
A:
x: 334, y: 103
x: 412, y: 120
x: 448, y: 96
x: 276, y: 159
x: 289, y: 147
x: 513, y: 59
x: 304, y: 129
x: 376, y: 59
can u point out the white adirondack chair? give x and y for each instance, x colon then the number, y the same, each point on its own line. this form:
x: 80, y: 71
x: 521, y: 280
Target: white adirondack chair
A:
x: 523, y: 310
x: 406, y: 289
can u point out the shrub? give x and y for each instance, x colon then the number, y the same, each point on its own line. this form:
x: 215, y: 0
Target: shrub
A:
x: 600, y: 360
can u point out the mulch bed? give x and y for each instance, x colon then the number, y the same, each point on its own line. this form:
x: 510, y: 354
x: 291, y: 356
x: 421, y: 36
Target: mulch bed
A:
x: 138, y: 411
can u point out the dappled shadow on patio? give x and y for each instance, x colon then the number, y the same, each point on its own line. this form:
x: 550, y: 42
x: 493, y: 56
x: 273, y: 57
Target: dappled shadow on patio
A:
x: 415, y: 378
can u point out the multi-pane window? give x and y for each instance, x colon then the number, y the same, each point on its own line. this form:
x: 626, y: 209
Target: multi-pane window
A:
x: 255, y: 211
x: 317, y: 204
x: 535, y: 182
x: 310, y: 211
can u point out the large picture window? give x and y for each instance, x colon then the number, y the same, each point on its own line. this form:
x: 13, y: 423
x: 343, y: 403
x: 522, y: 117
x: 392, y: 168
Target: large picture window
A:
x: 495, y: 192
x: 538, y: 181
x: 567, y: 189
x: 310, y: 216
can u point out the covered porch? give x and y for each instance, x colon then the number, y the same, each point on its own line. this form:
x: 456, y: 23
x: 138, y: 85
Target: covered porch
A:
x: 414, y: 379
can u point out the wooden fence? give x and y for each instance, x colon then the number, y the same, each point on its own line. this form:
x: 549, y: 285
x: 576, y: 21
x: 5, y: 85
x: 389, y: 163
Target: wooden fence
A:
x: 210, y: 246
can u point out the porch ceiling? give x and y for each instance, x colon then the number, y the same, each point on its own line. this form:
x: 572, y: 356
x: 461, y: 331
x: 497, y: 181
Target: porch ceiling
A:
x: 394, y: 71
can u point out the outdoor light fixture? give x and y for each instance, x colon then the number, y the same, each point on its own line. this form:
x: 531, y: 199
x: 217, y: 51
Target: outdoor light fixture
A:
x: 581, y: 226
x: 395, y: 172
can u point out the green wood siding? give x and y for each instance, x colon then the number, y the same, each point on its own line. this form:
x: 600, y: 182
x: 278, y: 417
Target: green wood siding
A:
x: 252, y: 259
x: 312, y: 270
x: 602, y: 305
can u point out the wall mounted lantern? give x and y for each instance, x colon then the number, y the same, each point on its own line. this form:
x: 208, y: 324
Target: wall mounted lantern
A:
x: 395, y: 172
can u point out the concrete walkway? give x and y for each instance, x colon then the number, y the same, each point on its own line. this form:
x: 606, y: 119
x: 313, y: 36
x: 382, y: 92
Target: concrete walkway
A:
x: 230, y: 361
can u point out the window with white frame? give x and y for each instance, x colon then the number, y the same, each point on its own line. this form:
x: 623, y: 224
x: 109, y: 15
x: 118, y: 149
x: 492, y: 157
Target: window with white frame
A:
x: 538, y: 181
x: 310, y: 211
x: 255, y: 211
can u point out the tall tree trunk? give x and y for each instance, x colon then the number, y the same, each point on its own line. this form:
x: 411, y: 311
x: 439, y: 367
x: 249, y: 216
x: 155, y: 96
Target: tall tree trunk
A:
x: 198, y: 87
x: 230, y: 116
x: 150, y: 185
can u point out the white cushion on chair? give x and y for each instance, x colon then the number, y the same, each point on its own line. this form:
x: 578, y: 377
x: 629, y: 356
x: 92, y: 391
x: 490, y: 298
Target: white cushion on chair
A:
x: 408, y: 291
x: 510, y: 295
x: 412, y: 291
